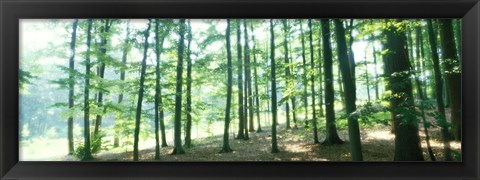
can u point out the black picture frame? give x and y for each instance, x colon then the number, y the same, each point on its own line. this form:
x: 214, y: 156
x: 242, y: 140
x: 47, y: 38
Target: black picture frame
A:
x: 13, y: 10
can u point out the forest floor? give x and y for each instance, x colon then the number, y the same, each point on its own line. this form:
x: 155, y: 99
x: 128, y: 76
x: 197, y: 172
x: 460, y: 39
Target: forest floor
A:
x: 294, y: 145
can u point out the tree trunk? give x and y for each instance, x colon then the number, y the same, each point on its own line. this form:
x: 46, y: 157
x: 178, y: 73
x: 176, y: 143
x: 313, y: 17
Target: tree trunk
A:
x: 103, y: 52
x: 257, y: 99
x: 245, y: 107
x: 312, y: 86
x: 241, y: 115
x: 71, y: 86
x: 453, y: 76
x: 351, y: 56
x: 188, y: 129
x: 226, y: 146
x: 349, y: 91
x: 422, y: 113
x: 458, y: 38
x: 248, y: 77
x: 126, y: 49
x: 178, y: 149
x: 274, y: 89
x: 158, y: 99
x: 418, y: 59
x: 332, y: 135
x: 320, y: 71
x: 86, y: 120
x: 293, y: 99
x: 141, y: 90
x: 423, y: 61
x: 374, y: 52
x: 397, y: 70
x: 287, y: 69
x: 305, y: 73
x: 367, y: 79
x: 340, y: 86
x: 441, y: 120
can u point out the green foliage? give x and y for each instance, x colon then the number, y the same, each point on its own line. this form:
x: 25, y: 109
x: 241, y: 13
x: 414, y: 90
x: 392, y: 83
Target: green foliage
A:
x: 372, y: 113
x: 453, y: 65
x: 25, y: 78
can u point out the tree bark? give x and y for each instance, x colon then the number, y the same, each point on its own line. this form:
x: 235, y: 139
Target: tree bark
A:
x: 397, y: 70
x: 453, y: 76
x: 367, y: 79
x: 86, y: 120
x: 332, y: 135
x: 178, y: 149
x: 349, y: 91
x: 274, y: 89
x: 71, y: 86
x: 312, y: 85
x: 158, y: 93
x: 126, y: 49
x: 226, y: 146
x: 188, y: 129
x: 141, y: 90
x: 320, y: 71
x: 305, y: 73
x: 257, y: 99
x: 287, y: 69
x: 441, y: 120
x: 248, y: 78
x: 103, y: 52
x: 241, y: 108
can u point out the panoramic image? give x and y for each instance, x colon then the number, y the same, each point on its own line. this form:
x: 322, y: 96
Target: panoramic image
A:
x: 167, y: 90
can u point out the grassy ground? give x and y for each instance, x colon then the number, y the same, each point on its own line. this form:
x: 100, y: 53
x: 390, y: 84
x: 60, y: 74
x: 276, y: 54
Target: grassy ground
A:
x: 295, y: 145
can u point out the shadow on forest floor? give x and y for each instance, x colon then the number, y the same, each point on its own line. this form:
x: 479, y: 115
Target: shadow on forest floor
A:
x: 294, y: 144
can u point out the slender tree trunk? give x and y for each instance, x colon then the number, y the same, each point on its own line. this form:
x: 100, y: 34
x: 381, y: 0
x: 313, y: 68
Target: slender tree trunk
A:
x: 418, y: 59
x: 320, y: 71
x: 248, y: 77
x: 293, y: 99
x: 274, y: 89
x: 305, y: 73
x: 441, y: 120
x: 158, y: 115
x: 423, y: 61
x: 312, y: 81
x: 141, y: 90
x: 226, y: 146
x: 268, y: 103
x: 340, y: 86
x: 86, y: 120
x: 397, y: 67
x: 458, y: 38
x: 375, y: 71
x: 178, y: 149
x: 257, y: 99
x: 422, y: 113
x: 245, y: 107
x: 102, y: 59
x: 410, y: 44
x: 287, y: 69
x: 126, y: 49
x: 350, y: 92
x: 453, y: 76
x: 188, y: 129
x: 366, y: 75
x: 351, y: 56
x: 332, y: 135
x: 241, y: 116
x: 71, y: 86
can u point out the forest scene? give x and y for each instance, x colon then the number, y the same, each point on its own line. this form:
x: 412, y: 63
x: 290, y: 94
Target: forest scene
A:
x: 240, y: 90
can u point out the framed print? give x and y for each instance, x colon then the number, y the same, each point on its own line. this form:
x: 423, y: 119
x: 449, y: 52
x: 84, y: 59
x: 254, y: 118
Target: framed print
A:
x: 239, y: 89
